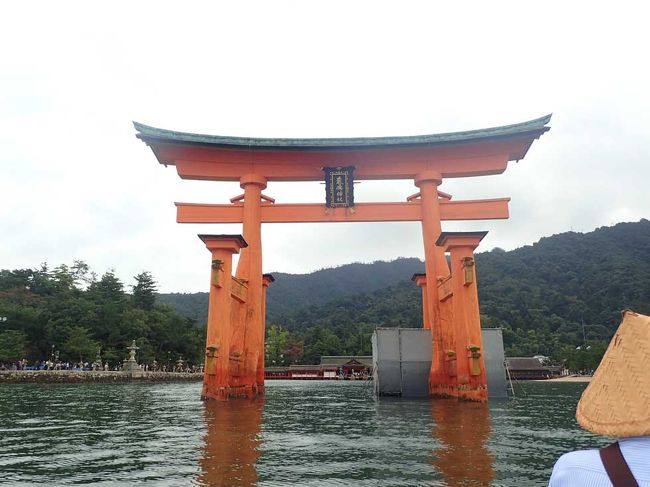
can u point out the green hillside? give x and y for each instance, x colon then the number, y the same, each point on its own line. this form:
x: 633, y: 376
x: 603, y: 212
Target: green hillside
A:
x: 292, y: 291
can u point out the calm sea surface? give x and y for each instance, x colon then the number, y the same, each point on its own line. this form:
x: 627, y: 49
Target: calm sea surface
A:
x: 302, y: 433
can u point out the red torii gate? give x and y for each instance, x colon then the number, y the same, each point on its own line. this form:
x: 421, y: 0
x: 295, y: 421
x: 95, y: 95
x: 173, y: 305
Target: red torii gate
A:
x: 234, y: 363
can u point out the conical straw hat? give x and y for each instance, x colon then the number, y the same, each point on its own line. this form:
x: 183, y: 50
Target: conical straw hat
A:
x: 617, y: 401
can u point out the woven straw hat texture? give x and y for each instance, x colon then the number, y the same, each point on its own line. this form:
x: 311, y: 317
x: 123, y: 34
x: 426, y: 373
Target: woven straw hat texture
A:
x: 617, y: 401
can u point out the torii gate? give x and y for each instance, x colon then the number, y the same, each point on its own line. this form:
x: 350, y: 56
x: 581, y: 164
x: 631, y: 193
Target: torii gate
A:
x: 234, y: 364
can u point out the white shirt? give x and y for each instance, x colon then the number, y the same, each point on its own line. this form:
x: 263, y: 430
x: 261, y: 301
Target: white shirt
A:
x: 585, y: 468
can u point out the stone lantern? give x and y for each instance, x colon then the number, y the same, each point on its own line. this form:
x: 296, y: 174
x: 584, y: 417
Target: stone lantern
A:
x: 130, y: 364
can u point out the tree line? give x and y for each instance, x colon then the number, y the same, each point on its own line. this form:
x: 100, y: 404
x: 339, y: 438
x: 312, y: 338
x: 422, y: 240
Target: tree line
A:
x: 70, y: 313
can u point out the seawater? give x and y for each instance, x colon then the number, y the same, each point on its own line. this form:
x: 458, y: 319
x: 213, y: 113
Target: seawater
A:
x: 302, y: 433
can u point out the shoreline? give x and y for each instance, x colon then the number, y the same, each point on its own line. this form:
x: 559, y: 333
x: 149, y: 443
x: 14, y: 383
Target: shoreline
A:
x: 570, y: 378
x: 76, y: 376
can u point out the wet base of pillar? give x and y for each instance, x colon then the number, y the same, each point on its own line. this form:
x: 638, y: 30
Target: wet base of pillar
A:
x: 472, y: 393
x: 460, y: 392
x: 442, y: 390
x: 211, y: 392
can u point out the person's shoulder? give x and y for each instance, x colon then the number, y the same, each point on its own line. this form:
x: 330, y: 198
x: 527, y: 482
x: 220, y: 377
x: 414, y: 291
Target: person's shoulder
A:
x: 580, y: 459
x: 575, y: 468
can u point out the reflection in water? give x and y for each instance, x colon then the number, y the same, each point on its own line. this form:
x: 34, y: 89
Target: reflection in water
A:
x: 312, y: 434
x: 463, y: 428
x: 231, y: 442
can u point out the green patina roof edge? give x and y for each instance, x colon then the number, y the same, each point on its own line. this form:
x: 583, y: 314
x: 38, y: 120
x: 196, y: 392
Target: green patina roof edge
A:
x: 444, y: 235
x: 534, y: 127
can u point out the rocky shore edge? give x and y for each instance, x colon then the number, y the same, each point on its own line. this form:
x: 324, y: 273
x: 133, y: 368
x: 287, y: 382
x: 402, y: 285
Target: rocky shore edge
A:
x: 75, y: 377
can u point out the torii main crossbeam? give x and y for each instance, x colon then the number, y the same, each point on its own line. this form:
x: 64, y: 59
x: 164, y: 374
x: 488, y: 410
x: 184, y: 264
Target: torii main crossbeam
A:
x: 363, y: 212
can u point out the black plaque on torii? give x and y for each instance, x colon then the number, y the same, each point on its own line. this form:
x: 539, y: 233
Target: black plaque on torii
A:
x: 339, y: 186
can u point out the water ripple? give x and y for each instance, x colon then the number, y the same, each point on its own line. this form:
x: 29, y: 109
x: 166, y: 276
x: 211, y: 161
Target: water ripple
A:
x: 306, y: 433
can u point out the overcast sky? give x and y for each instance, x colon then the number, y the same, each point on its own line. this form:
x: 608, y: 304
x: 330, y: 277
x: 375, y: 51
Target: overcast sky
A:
x: 75, y: 183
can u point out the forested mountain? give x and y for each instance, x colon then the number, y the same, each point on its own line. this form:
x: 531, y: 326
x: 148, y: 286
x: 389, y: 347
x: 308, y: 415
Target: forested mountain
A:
x: 292, y: 291
x: 568, y: 283
x: 562, y: 292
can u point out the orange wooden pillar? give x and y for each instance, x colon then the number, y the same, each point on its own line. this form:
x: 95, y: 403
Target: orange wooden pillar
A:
x: 471, y: 376
x: 441, y: 379
x: 216, y: 376
x: 267, y: 279
x: 445, y: 303
x: 249, y: 270
x: 237, y: 336
x: 445, y: 294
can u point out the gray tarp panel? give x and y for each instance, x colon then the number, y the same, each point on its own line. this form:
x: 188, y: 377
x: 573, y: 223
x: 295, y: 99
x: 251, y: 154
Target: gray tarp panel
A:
x: 494, y: 359
x: 402, y: 359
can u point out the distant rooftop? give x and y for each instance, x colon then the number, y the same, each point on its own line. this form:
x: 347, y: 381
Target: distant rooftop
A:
x: 533, y: 128
x: 340, y: 360
x: 525, y: 363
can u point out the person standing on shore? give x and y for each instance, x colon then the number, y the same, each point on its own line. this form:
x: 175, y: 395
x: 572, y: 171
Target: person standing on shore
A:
x: 615, y: 404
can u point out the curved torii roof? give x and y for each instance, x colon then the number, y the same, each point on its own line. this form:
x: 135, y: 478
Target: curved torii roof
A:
x: 456, y: 154
x: 532, y: 128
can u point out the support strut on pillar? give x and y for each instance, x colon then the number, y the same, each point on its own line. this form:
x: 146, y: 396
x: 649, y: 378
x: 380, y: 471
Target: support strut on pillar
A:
x: 470, y: 361
x: 217, y: 375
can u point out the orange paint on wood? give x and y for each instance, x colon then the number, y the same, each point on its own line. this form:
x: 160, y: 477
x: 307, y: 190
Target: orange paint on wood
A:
x: 249, y: 269
x: 472, y: 380
x: 489, y: 209
x: 239, y: 290
x: 237, y: 333
x: 445, y: 290
x: 216, y: 379
x: 440, y: 382
x: 450, y: 168
x: 454, y: 160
